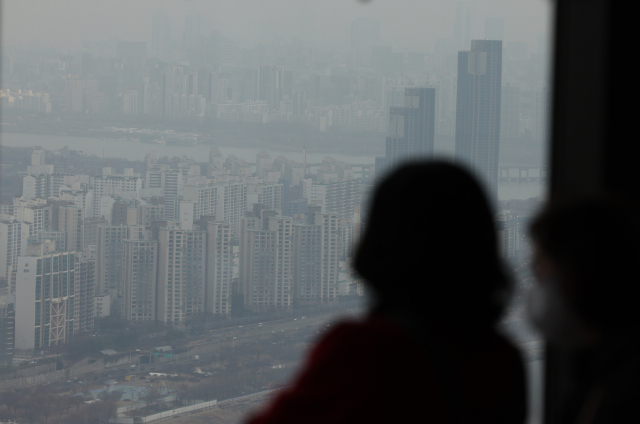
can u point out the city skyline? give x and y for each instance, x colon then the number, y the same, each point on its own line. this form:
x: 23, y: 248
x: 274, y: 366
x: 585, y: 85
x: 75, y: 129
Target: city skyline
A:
x: 315, y: 23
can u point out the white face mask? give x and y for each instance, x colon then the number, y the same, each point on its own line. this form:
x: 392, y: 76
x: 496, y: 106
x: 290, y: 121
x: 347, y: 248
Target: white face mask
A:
x: 549, y: 310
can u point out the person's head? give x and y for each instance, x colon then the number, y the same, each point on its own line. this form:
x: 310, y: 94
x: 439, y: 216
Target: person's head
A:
x: 590, y: 249
x: 430, y: 245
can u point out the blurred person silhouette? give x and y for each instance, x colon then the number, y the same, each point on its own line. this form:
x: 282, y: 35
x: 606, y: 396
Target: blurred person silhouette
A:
x: 586, y: 255
x: 427, y: 350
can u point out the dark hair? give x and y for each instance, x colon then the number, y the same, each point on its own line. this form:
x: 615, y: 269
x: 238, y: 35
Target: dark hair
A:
x: 594, y: 241
x: 430, y: 245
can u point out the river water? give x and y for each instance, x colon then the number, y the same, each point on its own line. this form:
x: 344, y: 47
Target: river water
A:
x: 136, y: 151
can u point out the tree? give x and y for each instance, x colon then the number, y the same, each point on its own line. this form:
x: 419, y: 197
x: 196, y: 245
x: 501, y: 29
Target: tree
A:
x: 77, y: 401
x: 10, y: 399
x: 102, y: 412
x: 152, y: 396
x: 46, y: 403
x: 173, y: 334
x: 81, y: 347
x: 78, y: 417
x: 31, y: 411
x: 64, y: 404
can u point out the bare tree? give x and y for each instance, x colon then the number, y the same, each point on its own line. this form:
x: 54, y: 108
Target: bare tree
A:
x: 152, y: 396
x: 102, y: 412
x: 30, y: 412
x: 46, y: 403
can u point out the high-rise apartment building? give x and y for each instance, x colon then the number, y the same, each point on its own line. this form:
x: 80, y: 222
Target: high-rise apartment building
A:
x: 34, y: 212
x: 150, y: 212
x: 224, y: 199
x: 109, y: 185
x: 339, y: 197
x: 270, y: 85
x: 290, y: 170
x: 45, y: 185
x: 140, y: 267
x: 90, y: 232
x: 316, y: 258
x: 170, y: 183
x: 216, y: 161
x: 267, y: 280
x: 231, y: 204
x: 123, y: 214
x: 270, y: 195
x: 204, y: 194
x: 7, y: 326
x: 45, y: 293
x: 84, y: 295
x: 412, y: 127
x: 71, y: 222
x: 478, y: 111
x: 110, y: 255
x: 181, y: 286
x: 14, y: 237
x: 219, y: 264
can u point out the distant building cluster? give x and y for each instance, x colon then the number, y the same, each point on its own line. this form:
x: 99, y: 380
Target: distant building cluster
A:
x: 172, y: 244
x: 205, y: 78
x: 177, y: 241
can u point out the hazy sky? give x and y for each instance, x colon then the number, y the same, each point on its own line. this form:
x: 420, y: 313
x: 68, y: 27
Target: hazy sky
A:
x: 405, y: 24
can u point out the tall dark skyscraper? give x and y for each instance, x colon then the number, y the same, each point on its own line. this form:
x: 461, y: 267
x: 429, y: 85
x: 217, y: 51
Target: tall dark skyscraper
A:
x: 478, y: 111
x: 270, y: 81
x: 411, y: 127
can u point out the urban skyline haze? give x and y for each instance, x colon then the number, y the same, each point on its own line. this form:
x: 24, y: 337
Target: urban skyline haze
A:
x: 406, y: 25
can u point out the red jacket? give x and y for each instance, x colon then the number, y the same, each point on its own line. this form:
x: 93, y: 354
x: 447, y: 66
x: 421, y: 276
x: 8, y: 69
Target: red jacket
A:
x: 376, y: 371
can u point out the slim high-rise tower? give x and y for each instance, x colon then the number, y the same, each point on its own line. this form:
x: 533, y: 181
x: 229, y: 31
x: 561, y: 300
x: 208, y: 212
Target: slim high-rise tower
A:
x: 478, y: 111
x: 462, y: 28
x: 411, y: 127
x: 161, y: 35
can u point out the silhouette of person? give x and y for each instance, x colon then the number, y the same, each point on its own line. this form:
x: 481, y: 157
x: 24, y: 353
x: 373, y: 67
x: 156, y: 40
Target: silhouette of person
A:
x: 427, y: 350
x: 586, y: 254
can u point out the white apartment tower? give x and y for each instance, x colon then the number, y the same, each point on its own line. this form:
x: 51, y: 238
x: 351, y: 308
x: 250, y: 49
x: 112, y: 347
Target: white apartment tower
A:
x: 45, y: 291
x: 339, y: 197
x: 33, y: 212
x: 71, y: 222
x: 267, y: 281
x: 317, y: 254
x: 219, y: 263
x: 109, y: 185
x: 149, y: 213
x: 85, y: 287
x: 14, y: 237
x: 141, y: 259
x: 181, y: 274
x: 110, y: 260
x: 271, y: 195
x: 226, y: 200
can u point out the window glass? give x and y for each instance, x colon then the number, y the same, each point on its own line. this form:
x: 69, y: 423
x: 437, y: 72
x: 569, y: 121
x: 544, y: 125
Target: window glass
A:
x: 189, y: 113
